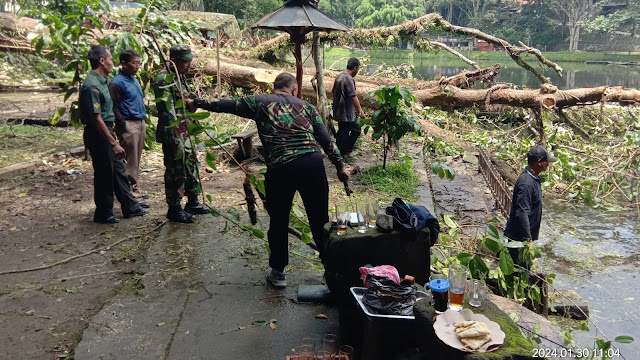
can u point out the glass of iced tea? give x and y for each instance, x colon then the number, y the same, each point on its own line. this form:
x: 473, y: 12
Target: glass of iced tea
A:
x: 458, y: 286
x: 373, y: 212
x: 343, y: 216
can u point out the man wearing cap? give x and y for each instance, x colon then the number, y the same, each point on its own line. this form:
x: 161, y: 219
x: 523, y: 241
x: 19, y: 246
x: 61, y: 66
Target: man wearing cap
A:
x: 526, y: 206
x: 180, y: 158
x: 96, y: 111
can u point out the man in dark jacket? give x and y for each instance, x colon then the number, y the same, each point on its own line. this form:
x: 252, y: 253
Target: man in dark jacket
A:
x: 128, y: 107
x: 292, y: 133
x: 526, y: 206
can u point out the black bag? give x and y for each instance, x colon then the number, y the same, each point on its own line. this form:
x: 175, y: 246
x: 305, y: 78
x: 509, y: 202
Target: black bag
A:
x: 385, y: 296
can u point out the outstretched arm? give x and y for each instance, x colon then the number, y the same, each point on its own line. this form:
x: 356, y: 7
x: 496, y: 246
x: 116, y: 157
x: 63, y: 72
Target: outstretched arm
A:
x: 244, y: 107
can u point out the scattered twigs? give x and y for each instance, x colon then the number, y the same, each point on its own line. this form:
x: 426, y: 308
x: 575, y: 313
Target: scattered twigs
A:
x: 105, y: 248
x: 572, y: 124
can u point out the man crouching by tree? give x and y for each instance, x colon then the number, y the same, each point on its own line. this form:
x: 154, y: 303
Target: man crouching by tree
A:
x: 292, y: 132
x: 96, y: 109
x: 180, y: 158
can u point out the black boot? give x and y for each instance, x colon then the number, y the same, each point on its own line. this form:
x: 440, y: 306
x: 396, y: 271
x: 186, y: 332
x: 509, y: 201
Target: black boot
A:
x: 176, y: 214
x: 194, y: 207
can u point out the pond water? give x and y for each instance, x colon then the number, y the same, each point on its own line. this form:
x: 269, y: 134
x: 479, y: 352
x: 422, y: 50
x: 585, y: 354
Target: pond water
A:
x: 575, y: 74
x: 597, y: 255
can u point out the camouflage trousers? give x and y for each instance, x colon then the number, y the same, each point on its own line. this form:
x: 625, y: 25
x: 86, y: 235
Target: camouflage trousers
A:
x: 181, y: 173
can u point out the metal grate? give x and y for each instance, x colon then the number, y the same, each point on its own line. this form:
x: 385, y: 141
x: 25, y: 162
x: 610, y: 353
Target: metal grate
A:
x: 498, y: 186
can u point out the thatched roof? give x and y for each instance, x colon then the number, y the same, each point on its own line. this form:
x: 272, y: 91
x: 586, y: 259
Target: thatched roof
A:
x: 207, y: 21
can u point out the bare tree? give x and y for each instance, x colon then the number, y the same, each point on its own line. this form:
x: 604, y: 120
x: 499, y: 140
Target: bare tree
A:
x: 576, y: 12
x: 190, y: 5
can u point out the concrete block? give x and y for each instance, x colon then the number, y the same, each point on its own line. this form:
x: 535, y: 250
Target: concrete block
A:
x: 568, y: 303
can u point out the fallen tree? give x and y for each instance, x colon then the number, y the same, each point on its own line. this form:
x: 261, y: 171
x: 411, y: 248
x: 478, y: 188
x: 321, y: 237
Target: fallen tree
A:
x: 446, y: 93
x: 451, y: 92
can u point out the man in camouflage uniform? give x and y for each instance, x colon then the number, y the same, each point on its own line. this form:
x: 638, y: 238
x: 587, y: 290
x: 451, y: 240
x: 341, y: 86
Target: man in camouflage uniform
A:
x: 292, y: 133
x: 180, y: 159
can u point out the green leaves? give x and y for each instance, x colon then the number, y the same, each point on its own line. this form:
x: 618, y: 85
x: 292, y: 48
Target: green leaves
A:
x: 211, y: 160
x: 624, y: 339
x: 443, y: 171
x: 492, y: 245
x: 464, y: 258
x: 477, y: 267
x: 391, y: 121
x: 55, y: 118
x: 201, y: 115
x: 506, y: 263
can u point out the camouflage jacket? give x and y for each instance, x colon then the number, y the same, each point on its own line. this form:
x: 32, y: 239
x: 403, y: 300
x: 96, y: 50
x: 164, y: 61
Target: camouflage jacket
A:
x: 169, y: 105
x: 288, y: 127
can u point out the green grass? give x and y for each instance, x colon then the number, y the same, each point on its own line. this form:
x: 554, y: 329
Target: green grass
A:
x: 500, y: 56
x: 133, y: 286
x: 397, y: 180
x: 26, y: 142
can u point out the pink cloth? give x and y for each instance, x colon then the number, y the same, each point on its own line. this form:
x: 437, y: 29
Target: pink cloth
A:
x: 387, y: 271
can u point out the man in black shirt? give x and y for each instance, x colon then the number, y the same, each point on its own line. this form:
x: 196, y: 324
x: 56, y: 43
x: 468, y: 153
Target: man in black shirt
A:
x: 526, y: 206
x: 345, y: 104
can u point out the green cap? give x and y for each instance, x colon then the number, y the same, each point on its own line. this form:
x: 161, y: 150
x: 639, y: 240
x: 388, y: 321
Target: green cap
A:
x: 181, y: 52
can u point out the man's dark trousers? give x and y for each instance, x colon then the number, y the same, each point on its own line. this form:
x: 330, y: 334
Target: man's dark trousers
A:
x: 306, y: 175
x: 109, y: 175
x: 348, y: 133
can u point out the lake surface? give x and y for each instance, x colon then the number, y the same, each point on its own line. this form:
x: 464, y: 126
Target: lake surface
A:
x: 575, y: 74
x: 597, y: 255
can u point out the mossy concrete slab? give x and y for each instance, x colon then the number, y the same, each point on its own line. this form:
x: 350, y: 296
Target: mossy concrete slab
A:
x: 515, y: 347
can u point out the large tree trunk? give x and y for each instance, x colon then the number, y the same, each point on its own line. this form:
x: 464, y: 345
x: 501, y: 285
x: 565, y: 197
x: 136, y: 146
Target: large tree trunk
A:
x: 443, y: 93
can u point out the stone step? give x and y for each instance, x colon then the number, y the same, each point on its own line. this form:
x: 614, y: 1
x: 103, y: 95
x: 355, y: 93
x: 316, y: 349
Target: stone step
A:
x: 568, y: 303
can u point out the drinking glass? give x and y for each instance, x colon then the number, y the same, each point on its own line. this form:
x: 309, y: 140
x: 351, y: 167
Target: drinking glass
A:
x: 304, y: 352
x: 310, y: 342
x: 324, y: 355
x: 330, y: 344
x: 477, y: 292
x: 458, y: 286
x: 343, y: 215
x: 346, y: 352
x: 373, y: 212
x: 362, y: 212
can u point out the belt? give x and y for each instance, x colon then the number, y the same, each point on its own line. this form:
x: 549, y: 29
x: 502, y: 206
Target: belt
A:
x: 134, y: 119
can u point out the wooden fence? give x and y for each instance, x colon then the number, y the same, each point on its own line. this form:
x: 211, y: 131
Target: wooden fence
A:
x: 498, y: 186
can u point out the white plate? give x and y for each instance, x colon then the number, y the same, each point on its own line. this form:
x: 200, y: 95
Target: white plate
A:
x: 445, y: 330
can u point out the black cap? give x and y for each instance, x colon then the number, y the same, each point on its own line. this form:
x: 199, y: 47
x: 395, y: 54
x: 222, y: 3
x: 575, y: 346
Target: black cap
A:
x: 539, y: 153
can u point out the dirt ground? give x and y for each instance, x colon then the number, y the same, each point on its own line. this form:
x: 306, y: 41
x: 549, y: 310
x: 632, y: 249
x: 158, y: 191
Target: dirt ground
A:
x: 45, y: 218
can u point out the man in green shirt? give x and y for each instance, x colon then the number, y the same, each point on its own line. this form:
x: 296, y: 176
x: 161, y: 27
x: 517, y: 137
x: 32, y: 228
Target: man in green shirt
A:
x: 96, y: 109
x: 292, y: 134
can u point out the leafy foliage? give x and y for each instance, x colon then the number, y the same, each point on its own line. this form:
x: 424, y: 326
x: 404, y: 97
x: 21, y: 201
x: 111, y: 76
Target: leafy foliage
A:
x: 394, y: 118
x: 511, y: 280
